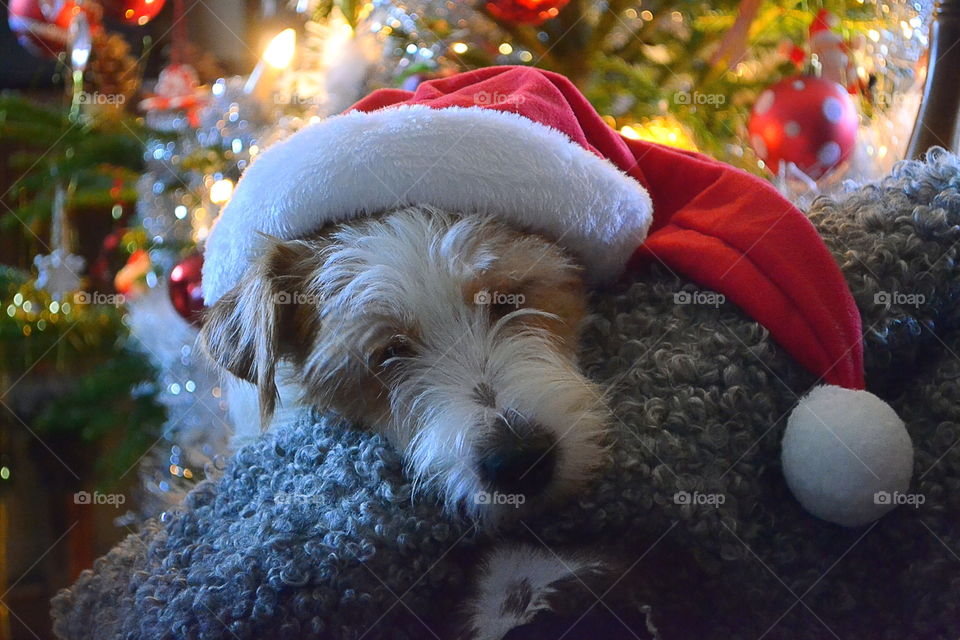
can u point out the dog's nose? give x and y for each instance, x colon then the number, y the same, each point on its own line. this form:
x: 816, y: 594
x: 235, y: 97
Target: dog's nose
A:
x: 520, y: 458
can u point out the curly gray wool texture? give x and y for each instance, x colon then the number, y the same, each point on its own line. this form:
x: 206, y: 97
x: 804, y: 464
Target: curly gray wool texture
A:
x: 312, y: 532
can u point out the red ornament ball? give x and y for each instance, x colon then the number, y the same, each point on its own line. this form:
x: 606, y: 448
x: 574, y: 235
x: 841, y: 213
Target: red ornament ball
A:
x: 135, y: 12
x: 109, y: 260
x: 531, y: 12
x: 805, y: 120
x: 186, y: 292
x: 41, y: 26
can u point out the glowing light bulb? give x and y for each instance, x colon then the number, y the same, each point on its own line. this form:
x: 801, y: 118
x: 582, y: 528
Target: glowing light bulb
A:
x: 279, y: 53
x: 221, y: 190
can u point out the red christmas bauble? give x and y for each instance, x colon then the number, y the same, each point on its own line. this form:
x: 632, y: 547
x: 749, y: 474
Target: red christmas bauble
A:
x: 135, y: 12
x: 109, y: 260
x: 805, y: 120
x: 186, y: 292
x: 41, y: 25
x: 525, y: 11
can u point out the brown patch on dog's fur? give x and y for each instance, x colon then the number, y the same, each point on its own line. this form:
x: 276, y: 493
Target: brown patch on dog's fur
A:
x: 520, y: 272
x: 251, y: 326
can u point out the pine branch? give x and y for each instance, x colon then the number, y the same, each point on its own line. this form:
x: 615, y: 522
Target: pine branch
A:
x: 608, y: 20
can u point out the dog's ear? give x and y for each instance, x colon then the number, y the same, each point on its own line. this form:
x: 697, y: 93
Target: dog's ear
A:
x: 248, y: 329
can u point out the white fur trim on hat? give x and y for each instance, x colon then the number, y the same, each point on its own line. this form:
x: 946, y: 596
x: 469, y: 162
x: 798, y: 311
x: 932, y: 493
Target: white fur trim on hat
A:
x: 847, y: 456
x: 467, y: 160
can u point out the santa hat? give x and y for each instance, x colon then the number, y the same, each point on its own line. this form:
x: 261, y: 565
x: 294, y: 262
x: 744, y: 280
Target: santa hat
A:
x: 524, y: 145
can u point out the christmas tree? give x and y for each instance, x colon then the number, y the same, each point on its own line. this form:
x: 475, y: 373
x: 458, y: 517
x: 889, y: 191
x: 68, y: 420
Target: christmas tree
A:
x: 685, y: 74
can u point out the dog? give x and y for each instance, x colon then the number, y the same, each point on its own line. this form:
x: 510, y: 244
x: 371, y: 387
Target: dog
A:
x: 454, y: 336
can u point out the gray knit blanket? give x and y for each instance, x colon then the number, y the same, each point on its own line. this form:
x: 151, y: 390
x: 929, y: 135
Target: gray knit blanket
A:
x: 312, y: 532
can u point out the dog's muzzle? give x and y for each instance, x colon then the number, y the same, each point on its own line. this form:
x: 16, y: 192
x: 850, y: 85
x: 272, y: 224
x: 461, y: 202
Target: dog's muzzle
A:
x: 519, y: 457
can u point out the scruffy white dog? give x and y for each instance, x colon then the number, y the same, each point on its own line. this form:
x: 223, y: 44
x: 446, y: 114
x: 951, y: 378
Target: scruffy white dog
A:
x: 454, y: 336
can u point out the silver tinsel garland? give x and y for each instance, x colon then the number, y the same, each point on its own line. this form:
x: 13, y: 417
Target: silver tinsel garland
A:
x: 174, y: 205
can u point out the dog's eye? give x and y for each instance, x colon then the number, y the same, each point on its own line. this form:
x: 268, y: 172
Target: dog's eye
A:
x: 500, y: 309
x: 395, y: 351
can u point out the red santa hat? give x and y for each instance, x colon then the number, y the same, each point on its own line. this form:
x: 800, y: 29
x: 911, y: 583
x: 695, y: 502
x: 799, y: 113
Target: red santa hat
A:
x: 524, y: 145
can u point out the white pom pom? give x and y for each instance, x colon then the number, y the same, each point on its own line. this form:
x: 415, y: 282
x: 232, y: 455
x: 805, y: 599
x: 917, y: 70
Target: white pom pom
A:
x: 844, y: 454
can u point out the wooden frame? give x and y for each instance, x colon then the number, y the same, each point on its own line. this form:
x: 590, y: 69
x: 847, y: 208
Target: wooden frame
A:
x: 938, y: 121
